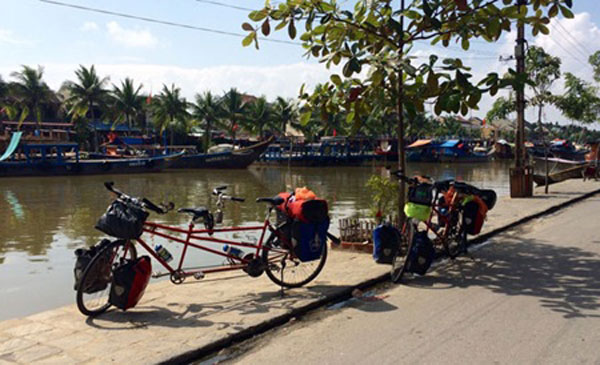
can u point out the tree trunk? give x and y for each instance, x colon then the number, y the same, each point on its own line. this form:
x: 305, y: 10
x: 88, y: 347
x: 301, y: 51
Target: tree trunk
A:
x: 96, y: 144
x: 400, y: 129
x: 207, y: 136
x: 541, y: 107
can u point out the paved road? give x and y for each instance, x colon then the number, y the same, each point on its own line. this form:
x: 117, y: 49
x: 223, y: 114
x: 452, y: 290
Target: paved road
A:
x: 530, y: 296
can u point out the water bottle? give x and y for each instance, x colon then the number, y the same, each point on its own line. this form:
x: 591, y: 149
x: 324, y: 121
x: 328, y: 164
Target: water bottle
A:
x: 233, y: 251
x: 163, y: 253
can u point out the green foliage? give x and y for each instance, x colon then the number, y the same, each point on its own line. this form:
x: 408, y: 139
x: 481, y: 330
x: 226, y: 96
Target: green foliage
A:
x: 206, y: 110
x: 28, y: 96
x: 233, y: 111
x: 384, y: 195
x: 169, y: 109
x: 127, y: 101
x: 580, y: 101
x: 371, y: 40
x: 501, y: 108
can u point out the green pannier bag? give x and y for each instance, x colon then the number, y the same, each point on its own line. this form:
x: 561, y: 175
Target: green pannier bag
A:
x: 417, y: 211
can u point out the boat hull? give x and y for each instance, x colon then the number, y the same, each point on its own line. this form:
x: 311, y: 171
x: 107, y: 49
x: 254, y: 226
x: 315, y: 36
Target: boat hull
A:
x: 570, y: 173
x: 237, y: 159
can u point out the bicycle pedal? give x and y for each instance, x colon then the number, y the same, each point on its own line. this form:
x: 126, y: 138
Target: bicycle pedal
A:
x: 199, y: 275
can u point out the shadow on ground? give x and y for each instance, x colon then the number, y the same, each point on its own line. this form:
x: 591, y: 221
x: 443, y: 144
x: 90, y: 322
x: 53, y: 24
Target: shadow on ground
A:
x: 565, y: 279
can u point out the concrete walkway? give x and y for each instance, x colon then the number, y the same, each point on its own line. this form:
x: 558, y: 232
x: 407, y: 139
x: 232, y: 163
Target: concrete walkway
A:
x: 172, y: 321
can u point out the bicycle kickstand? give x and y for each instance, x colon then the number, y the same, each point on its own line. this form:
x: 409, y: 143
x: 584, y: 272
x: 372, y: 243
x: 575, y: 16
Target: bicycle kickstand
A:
x: 282, y: 268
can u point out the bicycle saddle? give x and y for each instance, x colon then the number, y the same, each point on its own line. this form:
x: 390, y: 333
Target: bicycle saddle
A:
x: 199, y: 212
x: 274, y: 201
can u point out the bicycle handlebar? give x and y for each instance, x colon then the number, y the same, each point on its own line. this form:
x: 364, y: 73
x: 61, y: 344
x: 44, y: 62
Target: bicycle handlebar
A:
x: 160, y: 208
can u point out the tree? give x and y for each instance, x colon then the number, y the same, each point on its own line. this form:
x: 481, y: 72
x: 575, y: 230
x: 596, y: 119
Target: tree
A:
x: 29, y: 94
x: 285, y: 112
x: 128, y: 102
x: 233, y: 111
x: 169, y: 109
x: 579, y: 101
x: 207, y: 109
x: 543, y: 70
x: 377, y: 36
x: 259, y: 116
x: 87, y: 94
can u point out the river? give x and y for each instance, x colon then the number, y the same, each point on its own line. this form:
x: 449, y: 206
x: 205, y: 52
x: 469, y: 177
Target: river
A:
x: 43, y: 220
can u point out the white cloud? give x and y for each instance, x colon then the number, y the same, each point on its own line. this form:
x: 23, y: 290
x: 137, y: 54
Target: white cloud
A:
x: 271, y: 81
x: 131, y: 37
x: 8, y: 37
x: 89, y: 26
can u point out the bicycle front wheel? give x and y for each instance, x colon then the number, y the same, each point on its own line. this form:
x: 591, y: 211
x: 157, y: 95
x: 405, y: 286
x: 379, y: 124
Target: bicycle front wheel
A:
x: 400, y: 258
x: 456, y: 243
x: 285, y: 269
x: 94, y: 285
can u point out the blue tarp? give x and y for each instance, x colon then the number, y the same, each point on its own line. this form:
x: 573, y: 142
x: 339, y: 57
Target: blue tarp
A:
x: 451, y: 143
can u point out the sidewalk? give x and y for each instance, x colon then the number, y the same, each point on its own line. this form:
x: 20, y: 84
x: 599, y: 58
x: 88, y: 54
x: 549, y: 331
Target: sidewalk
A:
x: 172, y: 321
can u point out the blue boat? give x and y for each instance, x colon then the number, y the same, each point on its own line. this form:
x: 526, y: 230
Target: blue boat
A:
x: 453, y: 150
x: 56, y: 159
x: 332, y: 151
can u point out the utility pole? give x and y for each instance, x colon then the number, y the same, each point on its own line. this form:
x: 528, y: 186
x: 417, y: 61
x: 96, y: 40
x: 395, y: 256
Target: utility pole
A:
x: 400, y: 127
x: 521, y: 175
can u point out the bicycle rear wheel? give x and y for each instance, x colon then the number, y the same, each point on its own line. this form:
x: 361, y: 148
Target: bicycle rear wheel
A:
x: 285, y: 269
x: 456, y: 243
x: 400, y: 258
x: 94, y: 286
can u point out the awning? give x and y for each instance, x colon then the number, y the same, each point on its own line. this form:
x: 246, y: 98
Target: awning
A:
x: 450, y: 143
x: 420, y: 143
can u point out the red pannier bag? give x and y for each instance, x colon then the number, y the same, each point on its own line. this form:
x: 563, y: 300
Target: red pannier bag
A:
x: 474, y: 215
x: 129, y: 282
x: 308, y: 211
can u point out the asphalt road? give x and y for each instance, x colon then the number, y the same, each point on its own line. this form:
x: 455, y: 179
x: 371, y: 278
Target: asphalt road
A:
x: 531, y: 295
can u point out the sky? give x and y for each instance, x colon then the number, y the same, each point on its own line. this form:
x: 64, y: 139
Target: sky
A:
x: 33, y: 32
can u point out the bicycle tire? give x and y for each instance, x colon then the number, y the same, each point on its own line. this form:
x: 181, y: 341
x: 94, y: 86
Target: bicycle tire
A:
x: 400, y: 257
x: 96, y: 302
x: 457, y: 243
x: 274, y: 268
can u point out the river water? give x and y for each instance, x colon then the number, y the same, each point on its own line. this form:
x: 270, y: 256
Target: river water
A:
x: 43, y: 220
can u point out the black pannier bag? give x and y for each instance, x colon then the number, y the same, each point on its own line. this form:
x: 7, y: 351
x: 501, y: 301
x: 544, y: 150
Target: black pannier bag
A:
x: 421, y: 194
x: 489, y: 198
x: 83, y: 258
x: 123, y: 220
x: 386, y: 241
x: 421, y: 254
x: 129, y: 282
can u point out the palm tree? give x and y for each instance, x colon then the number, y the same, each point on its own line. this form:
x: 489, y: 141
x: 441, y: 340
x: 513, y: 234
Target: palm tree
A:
x: 260, y: 115
x: 206, y: 108
x: 285, y: 112
x: 127, y: 101
x: 233, y: 110
x: 29, y: 93
x: 87, y: 93
x: 169, y: 109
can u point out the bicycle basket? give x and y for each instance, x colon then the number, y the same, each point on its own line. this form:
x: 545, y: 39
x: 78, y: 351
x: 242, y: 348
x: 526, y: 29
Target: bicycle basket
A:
x: 417, y: 211
x: 122, y: 220
x: 420, y: 194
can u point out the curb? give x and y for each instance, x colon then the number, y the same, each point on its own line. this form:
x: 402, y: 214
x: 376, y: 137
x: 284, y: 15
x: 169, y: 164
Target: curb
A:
x: 344, y: 294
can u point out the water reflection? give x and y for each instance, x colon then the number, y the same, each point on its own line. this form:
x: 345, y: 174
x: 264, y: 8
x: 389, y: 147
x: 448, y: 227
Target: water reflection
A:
x: 42, y: 220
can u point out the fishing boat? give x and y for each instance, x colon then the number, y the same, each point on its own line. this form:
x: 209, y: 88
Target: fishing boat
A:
x: 222, y: 157
x: 456, y: 150
x: 502, y: 150
x: 56, y: 159
x: 574, y: 172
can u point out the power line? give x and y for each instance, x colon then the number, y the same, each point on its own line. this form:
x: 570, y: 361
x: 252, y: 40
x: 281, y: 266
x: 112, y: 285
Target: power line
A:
x: 162, y: 22
x: 571, y: 44
x: 583, y: 47
x: 217, y: 3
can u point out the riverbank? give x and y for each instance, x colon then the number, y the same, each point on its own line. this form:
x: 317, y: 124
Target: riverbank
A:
x: 175, y: 322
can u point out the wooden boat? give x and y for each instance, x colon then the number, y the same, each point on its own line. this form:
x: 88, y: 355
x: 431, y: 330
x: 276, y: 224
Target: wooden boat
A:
x: 228, y: 159
x: 574, y: 172
x: 58, y: 159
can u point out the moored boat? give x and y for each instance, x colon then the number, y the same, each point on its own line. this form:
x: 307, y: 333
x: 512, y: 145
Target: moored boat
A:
x: 573, y: 172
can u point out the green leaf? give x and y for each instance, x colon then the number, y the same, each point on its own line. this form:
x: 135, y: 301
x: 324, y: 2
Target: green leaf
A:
x: 248, y: 27
x: 305, y: 118
x: 566, y: 12
x: 248, y: 39
x: 465, y: 44
x: 336, y: 80
x: 257, y: 15
x: 283, y: 24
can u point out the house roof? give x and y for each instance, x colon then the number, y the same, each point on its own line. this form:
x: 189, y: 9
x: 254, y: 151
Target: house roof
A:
x: 420, y: 143
x: 450, y: 143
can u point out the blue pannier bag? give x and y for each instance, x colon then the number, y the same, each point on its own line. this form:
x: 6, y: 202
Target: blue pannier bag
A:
x: 308, y: 239
x: 386, y: 240
x: 421, y: 254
